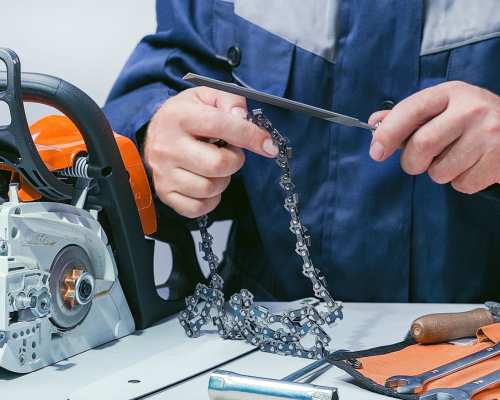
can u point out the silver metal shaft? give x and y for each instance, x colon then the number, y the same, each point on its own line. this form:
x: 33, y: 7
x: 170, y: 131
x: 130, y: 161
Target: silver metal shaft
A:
x: 224, y: 385
x: 308, y: 370
x: 277, y: 101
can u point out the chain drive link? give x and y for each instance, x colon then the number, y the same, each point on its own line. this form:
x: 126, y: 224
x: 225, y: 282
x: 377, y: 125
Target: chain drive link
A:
x: 284, y: 333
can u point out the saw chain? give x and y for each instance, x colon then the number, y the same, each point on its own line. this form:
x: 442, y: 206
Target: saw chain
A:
x: 296, y: 332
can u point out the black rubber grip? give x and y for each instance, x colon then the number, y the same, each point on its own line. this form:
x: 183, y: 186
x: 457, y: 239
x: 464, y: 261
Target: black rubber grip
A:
x: 72, y: 102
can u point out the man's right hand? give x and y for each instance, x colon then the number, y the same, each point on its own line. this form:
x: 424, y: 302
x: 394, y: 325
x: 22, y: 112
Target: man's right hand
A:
x: 189, y: 173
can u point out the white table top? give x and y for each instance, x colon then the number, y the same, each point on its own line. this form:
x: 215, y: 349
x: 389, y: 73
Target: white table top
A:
x: 364, y: 326
x: 172, y: 366
x: 156, y: 357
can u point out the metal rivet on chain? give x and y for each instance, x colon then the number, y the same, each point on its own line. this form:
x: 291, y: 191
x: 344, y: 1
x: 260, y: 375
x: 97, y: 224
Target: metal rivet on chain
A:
x: 245, y: 323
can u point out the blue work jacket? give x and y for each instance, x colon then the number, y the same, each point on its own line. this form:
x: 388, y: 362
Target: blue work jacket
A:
x: 378, y: 234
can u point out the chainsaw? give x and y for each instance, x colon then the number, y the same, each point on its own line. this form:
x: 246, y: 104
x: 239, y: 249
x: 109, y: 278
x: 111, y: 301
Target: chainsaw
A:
x: 76, y: 217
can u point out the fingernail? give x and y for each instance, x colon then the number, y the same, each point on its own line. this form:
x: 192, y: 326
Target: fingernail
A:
x: 239, y: 112
x: 377, y: 151
x: 269, y: 147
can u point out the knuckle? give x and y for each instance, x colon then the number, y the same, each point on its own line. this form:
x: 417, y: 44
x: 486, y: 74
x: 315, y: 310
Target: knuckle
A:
x: 455, y: 84
x: 462, y: 120
x: 492, y: 127
x: 411, y: 166
x: 419, y: 107
x: 463, y: 186
x: 167, y: 112
x: 150, y: 150
x: 189, y: 208
x: 187, y: 212
x: 207, y: 188
x: 476, y: 110
x: 233, y: 99
x: 189, y: 94
x: 159, y: 157
x: 220, y: 164
x: 164, y: 195
x: 196, y: 209
x: 191, y: 91
x: 235, y: 161
x: 241, y: 101
x: 413, y: 162
x: 239, y: 160
x: 151, y: 162
x: 212, y: 203
x: 423, y: 143
x: 378, y: 116
x: 437, y: 174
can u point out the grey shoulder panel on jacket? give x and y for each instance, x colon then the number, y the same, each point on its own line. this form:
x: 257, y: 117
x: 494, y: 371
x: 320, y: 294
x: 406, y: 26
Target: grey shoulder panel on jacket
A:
x: 308, y: 24
x: 453, y: 23
x: 313, y: 24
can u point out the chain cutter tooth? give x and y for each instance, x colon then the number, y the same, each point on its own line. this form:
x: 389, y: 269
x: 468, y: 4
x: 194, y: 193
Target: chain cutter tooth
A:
x: 247, y: 321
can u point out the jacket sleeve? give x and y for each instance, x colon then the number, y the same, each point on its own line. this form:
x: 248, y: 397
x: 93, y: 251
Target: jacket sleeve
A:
x: 153, y: 73
x: 182, y: 43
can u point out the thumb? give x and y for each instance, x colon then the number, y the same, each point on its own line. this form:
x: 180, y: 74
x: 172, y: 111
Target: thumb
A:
x: 378, y: 116
x: 376, y: 151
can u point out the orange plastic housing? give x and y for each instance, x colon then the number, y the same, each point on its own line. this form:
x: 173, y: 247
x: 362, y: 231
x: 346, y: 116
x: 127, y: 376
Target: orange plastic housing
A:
x: 59, y: 142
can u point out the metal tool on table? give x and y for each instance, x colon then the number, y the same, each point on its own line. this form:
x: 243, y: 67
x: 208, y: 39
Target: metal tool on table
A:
x: 464, y: 392
x: 443, y: 327
x: 411, y: 384
x: 277, y: 101
x: 225, y: 385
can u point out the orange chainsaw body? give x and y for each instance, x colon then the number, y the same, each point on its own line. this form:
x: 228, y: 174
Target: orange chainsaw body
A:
x: 59, y: 143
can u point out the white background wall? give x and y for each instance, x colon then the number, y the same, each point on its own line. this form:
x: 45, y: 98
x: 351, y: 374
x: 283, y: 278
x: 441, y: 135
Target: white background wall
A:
x: 85, y: 42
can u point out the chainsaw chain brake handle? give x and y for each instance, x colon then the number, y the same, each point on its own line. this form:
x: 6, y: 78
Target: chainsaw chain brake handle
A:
x: 133, y: 251
x: 16, y: 145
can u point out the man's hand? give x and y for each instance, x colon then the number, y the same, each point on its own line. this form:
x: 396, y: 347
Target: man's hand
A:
x: 189, y: 173
x: 451, y: 130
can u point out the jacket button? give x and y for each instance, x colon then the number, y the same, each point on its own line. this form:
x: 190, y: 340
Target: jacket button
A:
x: 234, y: 56
x: 386, y: 105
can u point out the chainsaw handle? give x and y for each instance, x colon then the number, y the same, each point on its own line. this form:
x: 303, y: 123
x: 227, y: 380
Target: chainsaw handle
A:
x: 77, y: 106
x: 17, y: 147
x: 133, y: 252
x: 71, y: 101
x: 16, y: 87
x: 82, y: 111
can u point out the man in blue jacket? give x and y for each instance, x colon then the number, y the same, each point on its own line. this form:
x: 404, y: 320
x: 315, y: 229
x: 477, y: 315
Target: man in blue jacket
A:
x: 387, y: 224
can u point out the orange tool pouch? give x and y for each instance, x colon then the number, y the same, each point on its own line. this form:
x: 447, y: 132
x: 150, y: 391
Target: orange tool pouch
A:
x: 371, y: 368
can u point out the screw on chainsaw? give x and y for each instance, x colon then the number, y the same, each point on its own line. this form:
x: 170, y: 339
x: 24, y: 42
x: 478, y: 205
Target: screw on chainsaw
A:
x: 245, y: 320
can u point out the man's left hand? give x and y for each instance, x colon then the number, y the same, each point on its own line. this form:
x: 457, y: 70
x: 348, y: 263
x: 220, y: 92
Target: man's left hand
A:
x: 451, y: 130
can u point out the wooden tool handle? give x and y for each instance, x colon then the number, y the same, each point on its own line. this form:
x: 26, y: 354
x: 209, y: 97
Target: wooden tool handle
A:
x: 443, y: 327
